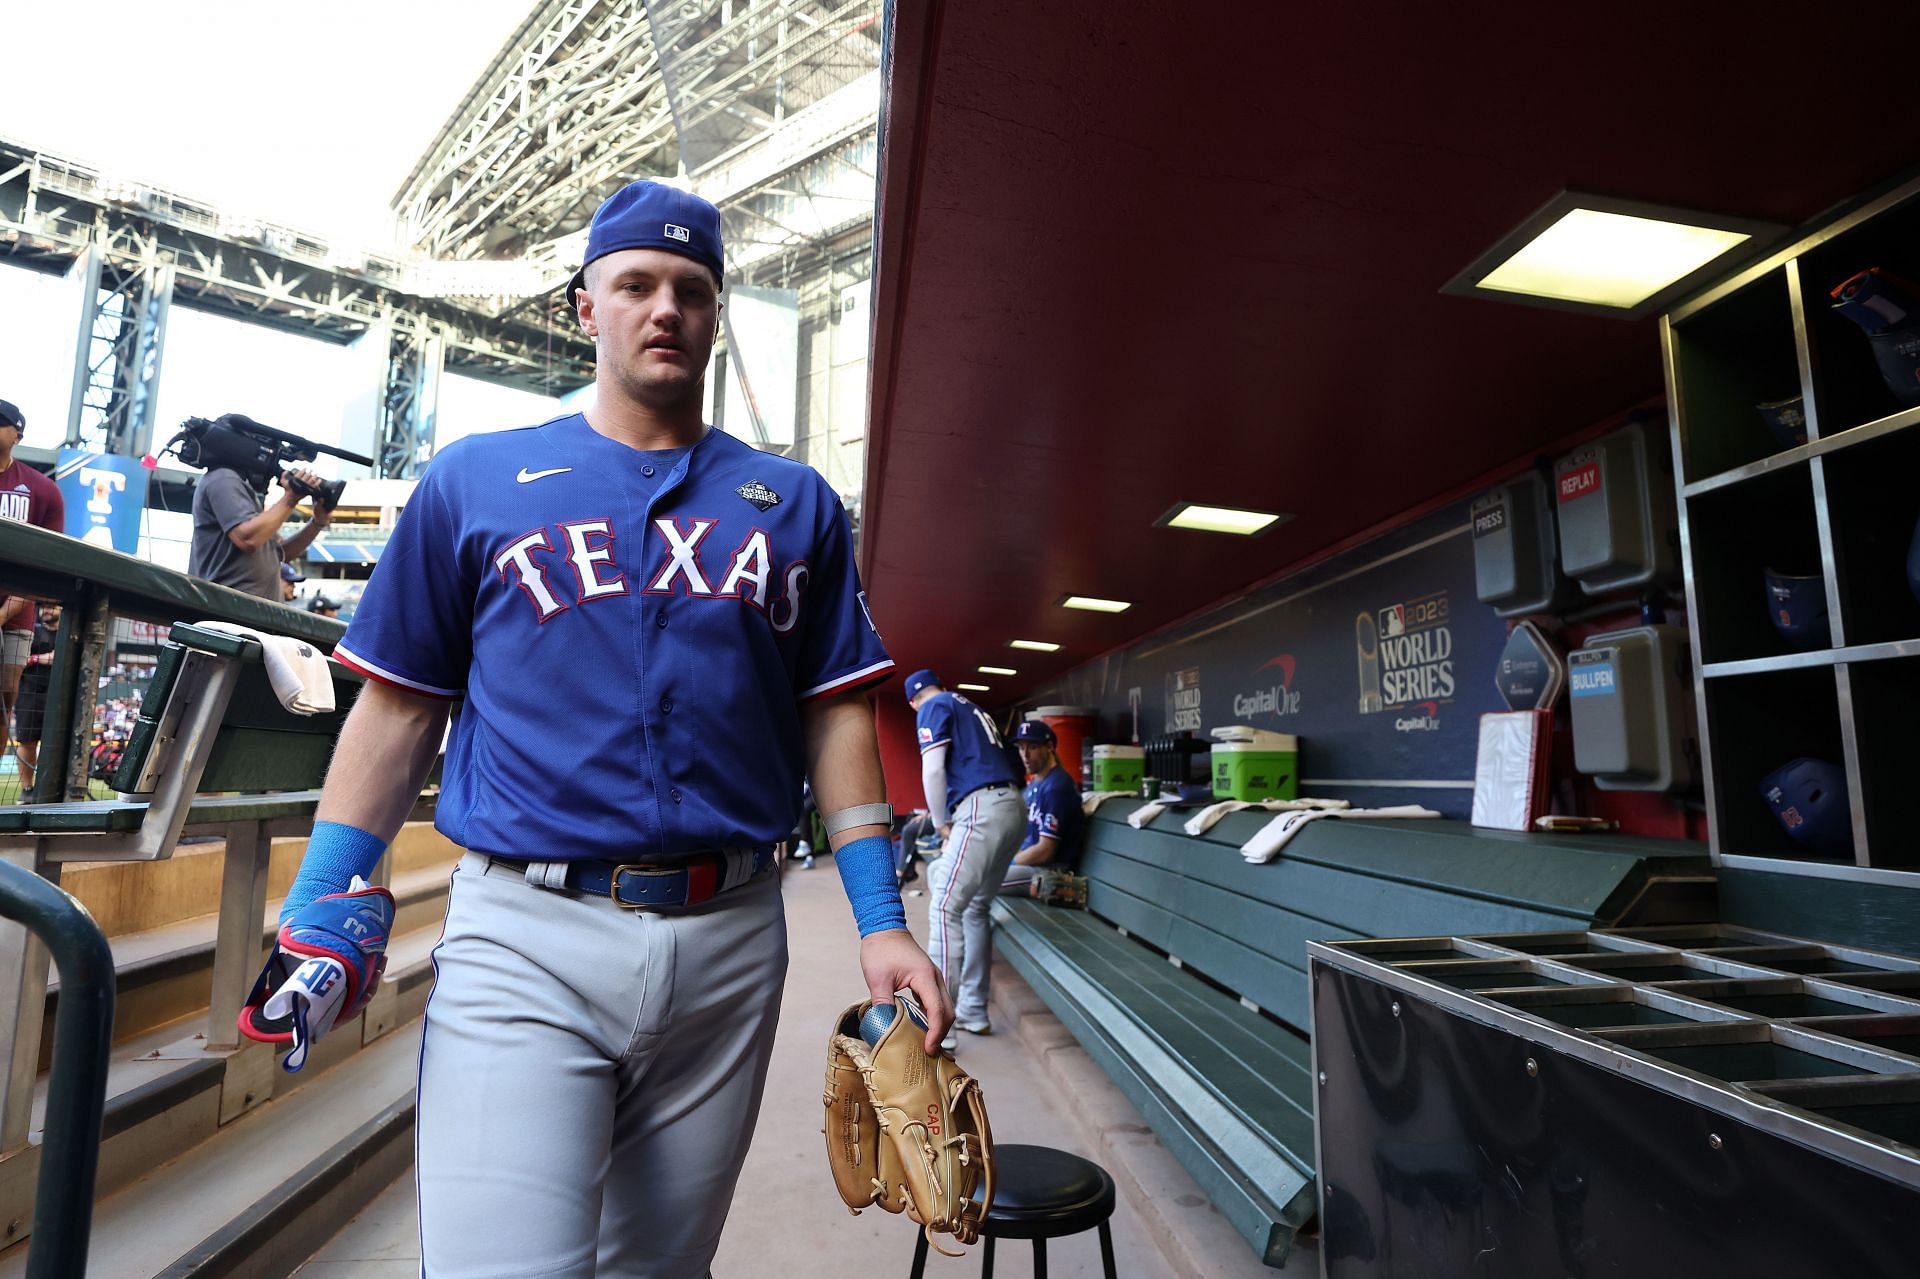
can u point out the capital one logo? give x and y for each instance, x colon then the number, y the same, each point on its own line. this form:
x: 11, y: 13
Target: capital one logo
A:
x: 1426, y: 720
x: 1271, y: 699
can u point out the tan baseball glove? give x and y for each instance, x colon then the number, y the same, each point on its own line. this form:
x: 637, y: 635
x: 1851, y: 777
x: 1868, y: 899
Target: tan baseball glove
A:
x: 904, y: 1130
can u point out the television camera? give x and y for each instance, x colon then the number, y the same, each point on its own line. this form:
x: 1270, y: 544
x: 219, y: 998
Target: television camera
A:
x: 260, y: 452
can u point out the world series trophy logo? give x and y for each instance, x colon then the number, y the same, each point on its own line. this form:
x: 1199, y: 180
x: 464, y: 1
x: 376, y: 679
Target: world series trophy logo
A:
x: 1366, y: 639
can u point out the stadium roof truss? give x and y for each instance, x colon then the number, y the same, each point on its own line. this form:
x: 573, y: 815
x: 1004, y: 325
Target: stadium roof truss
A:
x: 769, y: 109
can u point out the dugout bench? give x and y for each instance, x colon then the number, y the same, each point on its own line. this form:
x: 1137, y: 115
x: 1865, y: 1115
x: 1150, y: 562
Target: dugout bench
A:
x: 212, y: 753
x: 1186, y: 977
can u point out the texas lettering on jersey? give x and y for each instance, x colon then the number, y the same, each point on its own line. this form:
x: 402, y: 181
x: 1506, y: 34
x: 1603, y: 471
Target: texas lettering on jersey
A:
x: 576, y: 562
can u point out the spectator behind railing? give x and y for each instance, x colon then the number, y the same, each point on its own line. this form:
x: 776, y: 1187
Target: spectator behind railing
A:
x: 30, y: 497
x: 30, y: 708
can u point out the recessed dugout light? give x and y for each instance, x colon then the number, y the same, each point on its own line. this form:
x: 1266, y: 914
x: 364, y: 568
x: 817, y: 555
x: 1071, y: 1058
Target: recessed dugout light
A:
x: 1221, y: 519
x: 973, y: 688
x: 1094, y: 604
x: 1035, y: 646
x: 1603, y: 256
x: 996, y: 670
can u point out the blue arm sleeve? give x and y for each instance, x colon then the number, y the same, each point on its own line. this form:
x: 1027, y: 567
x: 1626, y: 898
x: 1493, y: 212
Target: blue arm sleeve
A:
x: 866, y: 872
x: 335, y: 854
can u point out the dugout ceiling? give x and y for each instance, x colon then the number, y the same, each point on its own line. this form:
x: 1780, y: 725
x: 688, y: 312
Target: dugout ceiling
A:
x: 1130, y: 256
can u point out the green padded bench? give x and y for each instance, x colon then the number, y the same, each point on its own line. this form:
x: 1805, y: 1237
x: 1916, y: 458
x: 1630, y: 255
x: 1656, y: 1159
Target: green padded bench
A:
x: 209, y: 723
x: 1186, y: 977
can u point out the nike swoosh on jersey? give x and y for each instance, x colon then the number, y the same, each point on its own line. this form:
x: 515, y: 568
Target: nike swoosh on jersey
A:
x: 527, y: 477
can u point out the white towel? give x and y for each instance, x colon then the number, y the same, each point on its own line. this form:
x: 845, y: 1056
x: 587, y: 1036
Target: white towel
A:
x: 1207, y: 818
x: 1140, y: 816
x: 296, y: 668
x: 1271, y: 838
x: 1203, y: 821
x: 1092, y: 801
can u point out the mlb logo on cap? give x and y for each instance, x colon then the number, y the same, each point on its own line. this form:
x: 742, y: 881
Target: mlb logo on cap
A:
x: 652, y: 215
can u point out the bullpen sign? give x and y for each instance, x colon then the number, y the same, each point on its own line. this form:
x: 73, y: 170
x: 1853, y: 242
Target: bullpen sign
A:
x: 105, y: 494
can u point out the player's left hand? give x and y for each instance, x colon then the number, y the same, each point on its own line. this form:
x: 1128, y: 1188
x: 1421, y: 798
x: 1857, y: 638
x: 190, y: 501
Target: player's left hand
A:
x: 892, y: 960
x: 946, y: 829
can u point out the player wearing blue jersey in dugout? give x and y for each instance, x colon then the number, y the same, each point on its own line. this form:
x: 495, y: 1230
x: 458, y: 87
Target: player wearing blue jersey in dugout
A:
x: 973, y: 797
x: 1054, y: 817
x: 657, y: 632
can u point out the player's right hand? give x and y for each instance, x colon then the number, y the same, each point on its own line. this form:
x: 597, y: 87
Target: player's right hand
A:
x: 892, y: 960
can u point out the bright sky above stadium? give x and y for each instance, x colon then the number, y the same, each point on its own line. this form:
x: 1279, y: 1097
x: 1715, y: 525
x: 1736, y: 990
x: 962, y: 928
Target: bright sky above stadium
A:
x: 309, y: 115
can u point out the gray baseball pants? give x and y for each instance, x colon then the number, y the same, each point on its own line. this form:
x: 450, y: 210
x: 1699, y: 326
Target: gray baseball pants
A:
x: 961, y: 882
x: 590, y: 1077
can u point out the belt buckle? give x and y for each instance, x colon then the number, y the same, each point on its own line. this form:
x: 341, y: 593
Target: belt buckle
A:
x: 641, y: 868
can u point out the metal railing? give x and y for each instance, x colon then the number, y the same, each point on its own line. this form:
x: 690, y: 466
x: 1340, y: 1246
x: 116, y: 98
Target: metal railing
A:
x: 77, y: 1084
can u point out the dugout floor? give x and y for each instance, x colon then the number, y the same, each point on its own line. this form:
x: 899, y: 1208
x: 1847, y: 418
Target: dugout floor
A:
x: 1040, y: 1087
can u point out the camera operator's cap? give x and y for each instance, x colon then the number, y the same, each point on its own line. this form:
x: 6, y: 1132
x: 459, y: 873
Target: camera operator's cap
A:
x: 649, y: 215
x: 11, y: 415
x: 288, y: 573
x: 1032, y: 730
x: 321, y: 604
x: 919, y: 680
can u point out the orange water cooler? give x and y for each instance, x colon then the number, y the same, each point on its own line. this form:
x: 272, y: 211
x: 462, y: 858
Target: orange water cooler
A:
x: 1072, y: 726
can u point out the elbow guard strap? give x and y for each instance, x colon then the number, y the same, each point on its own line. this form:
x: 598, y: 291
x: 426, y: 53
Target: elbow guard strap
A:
x: 876, y: 814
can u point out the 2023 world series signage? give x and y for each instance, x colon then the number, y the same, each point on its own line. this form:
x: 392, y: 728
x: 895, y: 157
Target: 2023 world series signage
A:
x: 1380, y: 659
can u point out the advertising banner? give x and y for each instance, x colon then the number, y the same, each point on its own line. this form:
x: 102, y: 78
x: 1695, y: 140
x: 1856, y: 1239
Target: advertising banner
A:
x: 1380, y: 659
x: 105, y: 495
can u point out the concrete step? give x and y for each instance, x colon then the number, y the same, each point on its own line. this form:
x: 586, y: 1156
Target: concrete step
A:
x: 168, y: 1093
x: 264, y: 1192
x: 164, y: 976
x: 136, y: 897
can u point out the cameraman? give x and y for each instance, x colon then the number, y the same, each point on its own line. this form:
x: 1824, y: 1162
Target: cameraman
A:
x: 236, y: 538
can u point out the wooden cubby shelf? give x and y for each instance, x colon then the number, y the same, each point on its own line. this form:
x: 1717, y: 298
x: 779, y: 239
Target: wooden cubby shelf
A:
x: 1843, y: 506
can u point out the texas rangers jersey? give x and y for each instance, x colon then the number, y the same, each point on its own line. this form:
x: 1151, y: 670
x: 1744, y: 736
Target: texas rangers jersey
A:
x: 975, y: 755
x: 1053, y: 810
x: 633, y: 634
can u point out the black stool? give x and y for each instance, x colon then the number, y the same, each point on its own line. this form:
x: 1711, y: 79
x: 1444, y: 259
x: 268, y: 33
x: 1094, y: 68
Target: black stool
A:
x: 1040, y: 1193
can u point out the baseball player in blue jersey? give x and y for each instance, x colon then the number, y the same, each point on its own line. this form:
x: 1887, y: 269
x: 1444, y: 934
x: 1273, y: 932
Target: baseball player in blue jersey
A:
x: 974, y: 798
x: 1054, y: 816
x: 656, y: 631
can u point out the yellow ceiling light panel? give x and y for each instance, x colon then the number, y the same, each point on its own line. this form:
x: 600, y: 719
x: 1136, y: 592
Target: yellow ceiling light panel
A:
x: 1609, y: 259
x: 1220, y: 519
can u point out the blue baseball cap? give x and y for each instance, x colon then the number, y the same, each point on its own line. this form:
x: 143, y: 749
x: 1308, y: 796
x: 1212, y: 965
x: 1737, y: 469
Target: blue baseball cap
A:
x: 919, y: 680
x: 10, y: 415
x: 1032, y: 730
x: 649, y: 215
x: 288, y: 573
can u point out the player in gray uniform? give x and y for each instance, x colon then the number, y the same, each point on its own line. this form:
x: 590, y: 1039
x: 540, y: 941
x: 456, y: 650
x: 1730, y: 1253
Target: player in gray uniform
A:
x: 656, y: 631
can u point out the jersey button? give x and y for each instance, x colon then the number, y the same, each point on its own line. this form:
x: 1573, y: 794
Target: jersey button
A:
x: 647, y: 471
x: 675, y: 794
x: 666, y: 706
x: 660, y: 619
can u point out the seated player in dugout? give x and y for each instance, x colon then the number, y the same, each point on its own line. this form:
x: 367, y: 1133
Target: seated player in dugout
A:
x: 658, y: 632
x: 1055, y: 822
